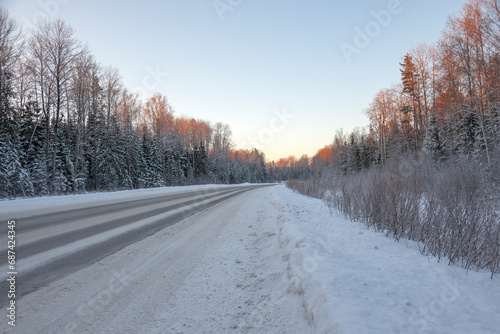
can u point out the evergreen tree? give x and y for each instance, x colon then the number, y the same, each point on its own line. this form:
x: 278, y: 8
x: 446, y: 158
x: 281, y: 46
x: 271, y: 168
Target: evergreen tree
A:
x: 370, y: 153
x: 14, y: 179
x: 152, y: 169
x: 433, y: 143
x: 344, y: 160
x: 94, y: 151
x: 114, y: 169
x: 188, y: 166
x: 410, y: 80
x: 32, y: 133
x: 64, y: 180
x: 175, y: 163
x: 201, y: 162
x: 262, y: 170
x: 467, y: 134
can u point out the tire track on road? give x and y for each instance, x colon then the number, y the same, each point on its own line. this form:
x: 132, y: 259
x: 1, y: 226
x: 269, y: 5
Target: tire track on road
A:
x: 69, y: 262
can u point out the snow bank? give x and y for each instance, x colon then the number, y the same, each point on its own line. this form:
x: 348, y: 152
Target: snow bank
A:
x: 304, y: 253
x: 353, y: 280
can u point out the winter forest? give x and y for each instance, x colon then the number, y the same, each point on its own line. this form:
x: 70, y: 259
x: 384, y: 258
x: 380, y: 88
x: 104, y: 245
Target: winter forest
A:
x: 68, y: 125
x: 428, y: 166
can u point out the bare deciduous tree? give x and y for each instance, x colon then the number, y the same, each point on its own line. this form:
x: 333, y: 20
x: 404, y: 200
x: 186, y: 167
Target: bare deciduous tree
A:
x: 53, y: 52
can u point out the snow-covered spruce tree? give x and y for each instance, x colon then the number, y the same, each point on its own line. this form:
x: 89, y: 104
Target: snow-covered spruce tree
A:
x: 32, y: 133
x: 433, y: 142
x: 262, y: 169
x: 133, y: 158
x: 14, y: 179
x: 201, y: 163
x: 352, y: 156
x: 64, y: 181
x: 152, y: 170
x: 93, y: 150
x: 114, y: 155
x: 175, y: 162
x: 188, y: 166
x: 479, y: 149
x: 253, y: 170
x: 106, y: 154
x: 371, y: 154
x: 467, y: 134
x: 238, y: 172
x: 224, y: 171
x: 157, y: 164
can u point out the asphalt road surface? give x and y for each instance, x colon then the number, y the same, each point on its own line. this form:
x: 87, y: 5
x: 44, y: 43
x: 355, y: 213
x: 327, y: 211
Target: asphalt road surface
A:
x: 54, y: 244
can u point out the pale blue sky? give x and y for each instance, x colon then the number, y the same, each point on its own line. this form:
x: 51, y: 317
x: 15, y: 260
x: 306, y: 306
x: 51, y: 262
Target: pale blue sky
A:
x: 261, y: 58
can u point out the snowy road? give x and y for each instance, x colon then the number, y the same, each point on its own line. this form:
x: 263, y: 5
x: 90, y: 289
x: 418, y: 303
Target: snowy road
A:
x: 55, y: 244
x: 136, y: 264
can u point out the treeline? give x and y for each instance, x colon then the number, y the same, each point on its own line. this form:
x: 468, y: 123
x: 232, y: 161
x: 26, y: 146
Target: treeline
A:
x: 289, y: 168
x: 68, y: 125
x: 427, y: 168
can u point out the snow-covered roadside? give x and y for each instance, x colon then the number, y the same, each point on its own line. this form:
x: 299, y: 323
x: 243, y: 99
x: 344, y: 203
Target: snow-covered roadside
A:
x: 354, y: 280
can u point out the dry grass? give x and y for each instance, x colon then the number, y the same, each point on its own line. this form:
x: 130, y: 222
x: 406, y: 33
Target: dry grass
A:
x: 450, y: 210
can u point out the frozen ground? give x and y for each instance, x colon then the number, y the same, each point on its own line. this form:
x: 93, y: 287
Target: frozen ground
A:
x: 266, y: 261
